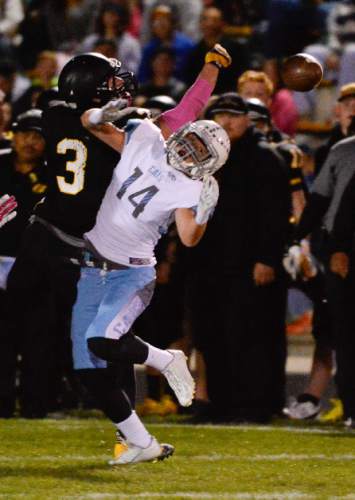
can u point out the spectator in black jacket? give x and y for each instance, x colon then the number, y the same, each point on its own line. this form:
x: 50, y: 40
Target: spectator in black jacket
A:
x: 240, y: 302
x: 212, y: 24
x: 22, y: 173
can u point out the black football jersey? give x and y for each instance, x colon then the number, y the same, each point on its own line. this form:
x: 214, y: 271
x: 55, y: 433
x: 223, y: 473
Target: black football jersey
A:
x: 79, y: 171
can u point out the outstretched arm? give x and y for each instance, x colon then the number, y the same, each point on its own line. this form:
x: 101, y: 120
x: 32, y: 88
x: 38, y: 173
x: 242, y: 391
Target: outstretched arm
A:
x: 196, y: 97
x: 97, y: 121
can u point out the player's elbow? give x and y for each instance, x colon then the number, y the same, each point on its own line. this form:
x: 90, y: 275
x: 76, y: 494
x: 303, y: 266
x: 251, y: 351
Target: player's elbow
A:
x: 190, y: 239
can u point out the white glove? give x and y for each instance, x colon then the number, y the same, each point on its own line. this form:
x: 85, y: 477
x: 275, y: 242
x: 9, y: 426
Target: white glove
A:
x: 299, y: 262
x: 7, y: 209
x: 111, y: 112
x: 292, y: 261
x: 208, y: 199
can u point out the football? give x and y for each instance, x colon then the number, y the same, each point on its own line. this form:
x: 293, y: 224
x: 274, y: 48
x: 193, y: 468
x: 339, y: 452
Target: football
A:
x: 301, y: 72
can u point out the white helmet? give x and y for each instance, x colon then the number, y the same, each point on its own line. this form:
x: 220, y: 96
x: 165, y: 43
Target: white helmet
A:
x: 198, y: 149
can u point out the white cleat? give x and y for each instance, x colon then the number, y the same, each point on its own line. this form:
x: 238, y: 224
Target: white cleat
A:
x: 302, y: 411
x: 179, y: 378
x: 127, y: 453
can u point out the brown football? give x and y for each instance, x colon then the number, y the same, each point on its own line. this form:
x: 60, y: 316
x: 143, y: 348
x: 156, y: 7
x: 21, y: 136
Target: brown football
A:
x: 301, y: 72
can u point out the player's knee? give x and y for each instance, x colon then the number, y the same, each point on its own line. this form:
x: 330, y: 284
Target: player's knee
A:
x: 128, y: 348
x: 100, y: 347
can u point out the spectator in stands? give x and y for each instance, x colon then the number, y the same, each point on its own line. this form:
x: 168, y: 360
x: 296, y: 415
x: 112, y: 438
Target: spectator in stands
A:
x: 34, y: 37
x: 11, y: 14
x: 344, y: 112
x: 112, y: 25
x: 68, y: 22
x: 12, y: 83
x: 212, y: 25
x: 22, y: 173
x: 292, y: 24
x: 282, y: 108
x: 43, y: 76
x: 164, y: 33
x: 239, y: 304
x: 337, y: 55
x: 162, y: 81
x: 188, y: 14
x: 5, y: 120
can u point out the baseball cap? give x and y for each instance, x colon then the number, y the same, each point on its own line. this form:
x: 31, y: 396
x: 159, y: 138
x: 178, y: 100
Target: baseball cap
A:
x: 258, y: 110
x: 347, y: 90
x: 29, y: 120
x: 229, y: 102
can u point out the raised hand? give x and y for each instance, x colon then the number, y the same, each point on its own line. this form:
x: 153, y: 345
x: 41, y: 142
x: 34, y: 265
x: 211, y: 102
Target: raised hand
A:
x: 218, y: 56
x: 208, y: 199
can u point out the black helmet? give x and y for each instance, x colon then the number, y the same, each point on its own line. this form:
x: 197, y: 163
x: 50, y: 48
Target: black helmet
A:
x: 84, y: 80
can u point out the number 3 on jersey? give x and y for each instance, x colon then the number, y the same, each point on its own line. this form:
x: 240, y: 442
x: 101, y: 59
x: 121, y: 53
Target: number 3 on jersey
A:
x: 76, y: 166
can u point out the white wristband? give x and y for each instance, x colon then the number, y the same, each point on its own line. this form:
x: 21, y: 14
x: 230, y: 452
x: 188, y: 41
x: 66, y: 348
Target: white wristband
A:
x: 95, y: 117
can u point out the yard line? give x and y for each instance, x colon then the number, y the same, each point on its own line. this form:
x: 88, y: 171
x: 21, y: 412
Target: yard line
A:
x: 215, y: 457
x: 287, y: 495
x: 263, y: 428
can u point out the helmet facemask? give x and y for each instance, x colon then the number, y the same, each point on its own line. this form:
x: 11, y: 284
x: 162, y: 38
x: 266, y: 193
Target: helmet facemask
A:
x: 192, y: 149
x: 117, y: 85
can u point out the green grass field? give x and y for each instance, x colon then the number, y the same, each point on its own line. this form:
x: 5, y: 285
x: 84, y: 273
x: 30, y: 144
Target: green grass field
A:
x: 67, y: 459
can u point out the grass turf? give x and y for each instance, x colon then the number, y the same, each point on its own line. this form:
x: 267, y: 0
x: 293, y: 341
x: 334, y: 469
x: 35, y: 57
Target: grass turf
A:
x: 67, y: 459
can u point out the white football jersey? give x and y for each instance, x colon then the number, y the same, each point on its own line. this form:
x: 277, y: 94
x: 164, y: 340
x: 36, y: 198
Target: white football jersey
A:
x: 140, y: 202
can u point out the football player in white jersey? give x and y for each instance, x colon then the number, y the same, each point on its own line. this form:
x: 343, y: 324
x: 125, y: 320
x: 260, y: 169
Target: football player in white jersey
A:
x: 165, y: 174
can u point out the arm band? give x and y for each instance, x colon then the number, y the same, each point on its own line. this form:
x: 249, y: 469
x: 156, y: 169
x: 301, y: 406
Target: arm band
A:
x: 190, y: 106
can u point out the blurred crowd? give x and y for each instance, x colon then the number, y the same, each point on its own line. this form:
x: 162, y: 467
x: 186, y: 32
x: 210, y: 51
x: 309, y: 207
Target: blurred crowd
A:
x: 283, y: 220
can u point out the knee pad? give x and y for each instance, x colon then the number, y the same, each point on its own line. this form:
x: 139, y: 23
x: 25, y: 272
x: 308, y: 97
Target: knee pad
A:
x: 128, y: 349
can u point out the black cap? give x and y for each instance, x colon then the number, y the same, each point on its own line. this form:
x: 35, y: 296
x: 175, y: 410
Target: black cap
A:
x: 229, y: 102
x: 29, y: 120
x: 258, y: 110
x: 160, y: 102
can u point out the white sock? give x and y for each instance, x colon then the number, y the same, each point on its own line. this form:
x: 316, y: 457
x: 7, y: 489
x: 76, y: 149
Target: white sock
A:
x: 134, y: 431
x: 158, y: 358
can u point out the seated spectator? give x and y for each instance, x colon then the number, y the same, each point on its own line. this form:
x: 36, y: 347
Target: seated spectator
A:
x: 164, y: 33
x: 162, y: 81
x: 212, y: 24
x: 337, y: 55
x: 112, y: 25
x: 68, y: 22
x: 12, y: 83
x: 11, y: 14
x: 43, y: 76
x: 34, y: 36
x: 292, y: 24
x: 188, y: 13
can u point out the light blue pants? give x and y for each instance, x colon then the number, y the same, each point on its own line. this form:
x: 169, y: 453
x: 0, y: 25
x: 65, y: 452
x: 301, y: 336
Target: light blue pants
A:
x: 107, y: 305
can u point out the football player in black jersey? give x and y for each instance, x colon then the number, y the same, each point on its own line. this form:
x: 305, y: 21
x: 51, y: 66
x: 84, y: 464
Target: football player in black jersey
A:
x: 43, y: 277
